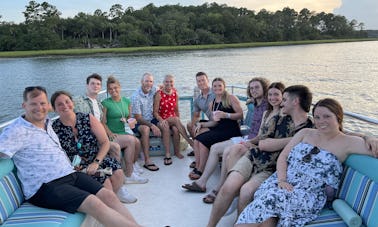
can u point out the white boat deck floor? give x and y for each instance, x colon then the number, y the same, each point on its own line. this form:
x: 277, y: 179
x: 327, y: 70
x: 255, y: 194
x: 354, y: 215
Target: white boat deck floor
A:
x: 162, y: 201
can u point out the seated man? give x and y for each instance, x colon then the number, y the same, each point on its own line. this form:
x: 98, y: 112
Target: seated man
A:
x: 47, y: 177
x: 142, y: 102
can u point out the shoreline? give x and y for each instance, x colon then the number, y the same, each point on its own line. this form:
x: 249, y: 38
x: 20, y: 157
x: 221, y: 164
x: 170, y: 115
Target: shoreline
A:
x: 92, y: 51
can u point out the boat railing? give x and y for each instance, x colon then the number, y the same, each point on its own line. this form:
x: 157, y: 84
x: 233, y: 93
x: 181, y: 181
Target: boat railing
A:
x: 186, y: 103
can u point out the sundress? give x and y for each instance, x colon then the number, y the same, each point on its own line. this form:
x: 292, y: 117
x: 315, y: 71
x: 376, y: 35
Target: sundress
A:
x: 304, y: 203
x: 224, y: 130
x: 86, y: 145
x: 167, y: 104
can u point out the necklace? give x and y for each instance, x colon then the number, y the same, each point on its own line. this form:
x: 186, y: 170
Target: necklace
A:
x: 120, y: 109
x: 216, y: 105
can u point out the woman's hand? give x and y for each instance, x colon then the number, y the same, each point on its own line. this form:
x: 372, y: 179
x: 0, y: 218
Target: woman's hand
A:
x: 285, y: 185
x: 164, y: 123
x: 112, y: 136
x: 92, y: 168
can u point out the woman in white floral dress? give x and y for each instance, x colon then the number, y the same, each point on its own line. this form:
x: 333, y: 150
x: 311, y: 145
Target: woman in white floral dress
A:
x: 295, y: 194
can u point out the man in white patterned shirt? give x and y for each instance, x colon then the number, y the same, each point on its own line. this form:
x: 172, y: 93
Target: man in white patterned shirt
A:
x: 47, y: 177
x: 142, y: 102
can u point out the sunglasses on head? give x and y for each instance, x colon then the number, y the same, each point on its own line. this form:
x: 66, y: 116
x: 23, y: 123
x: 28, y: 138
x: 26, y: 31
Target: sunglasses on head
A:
x: 32, y: 88
x: 307, y: 157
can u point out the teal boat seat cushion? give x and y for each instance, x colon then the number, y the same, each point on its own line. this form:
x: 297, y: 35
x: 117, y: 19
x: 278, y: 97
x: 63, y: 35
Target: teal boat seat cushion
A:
x: 11, y: 196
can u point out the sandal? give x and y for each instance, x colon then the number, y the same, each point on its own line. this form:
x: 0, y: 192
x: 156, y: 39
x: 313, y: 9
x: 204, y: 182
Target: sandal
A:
x: 167, y: 161
x: 210, y: 198
x: 192, y: 165
x: 193, y: 187
x: 195, y: 174
x: 151, y: 167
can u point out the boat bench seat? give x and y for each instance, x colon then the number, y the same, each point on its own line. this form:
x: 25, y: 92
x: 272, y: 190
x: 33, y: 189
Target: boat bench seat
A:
x: 15, y: 211
x: 356, y: 202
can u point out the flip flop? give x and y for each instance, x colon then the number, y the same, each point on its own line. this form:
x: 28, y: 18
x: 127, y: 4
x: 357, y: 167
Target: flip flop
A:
x: 192, y: 165
x: 167, y: 161
x: 193, y: 187
x: 210, y: 198
x: 151, y: 167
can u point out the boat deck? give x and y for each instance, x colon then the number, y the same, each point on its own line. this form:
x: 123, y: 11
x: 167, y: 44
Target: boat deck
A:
x: 162, y: 201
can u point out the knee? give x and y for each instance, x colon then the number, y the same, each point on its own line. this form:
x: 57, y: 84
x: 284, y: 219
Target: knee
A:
x: 144, y: 130
x: 107, y: 196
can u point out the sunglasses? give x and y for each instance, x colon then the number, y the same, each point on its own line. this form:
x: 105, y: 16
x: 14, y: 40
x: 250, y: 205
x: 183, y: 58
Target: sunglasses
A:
x: 32, y: 88
x: 307, y: 157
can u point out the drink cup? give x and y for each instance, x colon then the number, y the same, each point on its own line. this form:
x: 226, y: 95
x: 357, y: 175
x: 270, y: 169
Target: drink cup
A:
x: 132, y: 122
x: 216, y: 116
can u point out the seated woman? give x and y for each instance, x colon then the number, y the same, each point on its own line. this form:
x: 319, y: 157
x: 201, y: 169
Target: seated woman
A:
x: 226, y: 112
x: 83, y: 137
x: 166, y: 111
x: 117, y: 110
x: 295, y: 194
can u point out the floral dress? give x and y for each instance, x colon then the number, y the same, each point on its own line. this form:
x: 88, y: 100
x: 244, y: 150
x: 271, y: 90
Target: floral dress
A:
x: 86, y: 145
x: 303, y: 204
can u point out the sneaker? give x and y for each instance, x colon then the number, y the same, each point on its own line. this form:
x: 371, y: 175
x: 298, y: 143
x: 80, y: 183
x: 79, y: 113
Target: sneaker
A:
x: 135, y: 179
x: 125, y: 196
x: 232, y: 207
x: 137, y: 168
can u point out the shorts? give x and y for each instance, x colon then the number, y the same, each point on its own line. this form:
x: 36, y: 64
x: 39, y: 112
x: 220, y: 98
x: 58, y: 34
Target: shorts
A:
x: 66, y: 193
x: 136, y: 128
x: 245, y: 168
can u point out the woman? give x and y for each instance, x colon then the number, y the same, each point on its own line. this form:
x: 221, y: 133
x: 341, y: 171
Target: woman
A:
x: 117, y: 110
x: 84, y: 139
x: 226, y: 112
x: 270, y: 116
x: 166, y: 111
x: 295, y: 194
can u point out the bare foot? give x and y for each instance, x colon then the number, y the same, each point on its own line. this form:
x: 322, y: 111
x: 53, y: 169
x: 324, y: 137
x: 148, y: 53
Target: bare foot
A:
x: 179, y: 155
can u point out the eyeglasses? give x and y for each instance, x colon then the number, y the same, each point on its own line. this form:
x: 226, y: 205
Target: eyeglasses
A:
x: 307, y: 157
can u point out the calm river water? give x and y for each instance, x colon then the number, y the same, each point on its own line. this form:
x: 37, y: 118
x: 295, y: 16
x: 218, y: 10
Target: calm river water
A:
x: 345, y: 71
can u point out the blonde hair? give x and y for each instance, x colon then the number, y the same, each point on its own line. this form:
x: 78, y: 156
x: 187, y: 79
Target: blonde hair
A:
x: 226, y: 102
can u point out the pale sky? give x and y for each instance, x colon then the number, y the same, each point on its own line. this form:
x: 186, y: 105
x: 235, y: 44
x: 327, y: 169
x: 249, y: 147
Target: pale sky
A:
x: 365, y: 11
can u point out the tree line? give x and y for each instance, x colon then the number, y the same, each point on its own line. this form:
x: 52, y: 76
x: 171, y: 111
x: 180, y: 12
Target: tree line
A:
x: 169, y: 25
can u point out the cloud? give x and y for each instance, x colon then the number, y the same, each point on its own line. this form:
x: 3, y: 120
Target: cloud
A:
x: 365, y: 11
x: 274, y: 5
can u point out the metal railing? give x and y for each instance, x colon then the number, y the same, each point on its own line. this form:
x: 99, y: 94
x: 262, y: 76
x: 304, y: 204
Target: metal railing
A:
x: 233, y: 89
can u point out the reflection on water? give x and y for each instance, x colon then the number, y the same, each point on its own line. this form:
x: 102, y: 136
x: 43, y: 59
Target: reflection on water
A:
x: 345, y: 71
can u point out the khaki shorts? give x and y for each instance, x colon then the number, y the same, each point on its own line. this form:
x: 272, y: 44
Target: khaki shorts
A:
x: 244, y: 167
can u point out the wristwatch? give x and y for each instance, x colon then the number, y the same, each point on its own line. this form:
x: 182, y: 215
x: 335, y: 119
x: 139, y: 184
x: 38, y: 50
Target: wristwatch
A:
x: 97, y: 161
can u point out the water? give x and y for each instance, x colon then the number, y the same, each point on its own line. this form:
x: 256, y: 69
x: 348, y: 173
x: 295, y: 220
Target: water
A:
x: 345, y: 71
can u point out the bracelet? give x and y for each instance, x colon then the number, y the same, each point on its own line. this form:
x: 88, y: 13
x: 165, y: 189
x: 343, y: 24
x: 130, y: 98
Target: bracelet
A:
x: 97, y: 161
x: 228, y: 115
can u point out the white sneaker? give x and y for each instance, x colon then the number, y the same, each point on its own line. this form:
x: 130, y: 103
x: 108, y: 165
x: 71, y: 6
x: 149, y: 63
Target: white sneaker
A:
x: 137, y: 168
x: 135, y: 179
x: 125, y: 196
x: 232, y: 207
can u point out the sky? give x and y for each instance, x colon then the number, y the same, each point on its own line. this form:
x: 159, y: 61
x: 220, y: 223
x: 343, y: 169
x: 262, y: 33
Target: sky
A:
x: 365, y: 11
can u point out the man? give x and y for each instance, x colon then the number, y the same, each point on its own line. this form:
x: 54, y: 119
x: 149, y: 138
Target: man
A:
x: 47, y: 177
x: 259, y: 163
x: 201, y: 102
x: 258, y: 88
x: 142, y: 102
